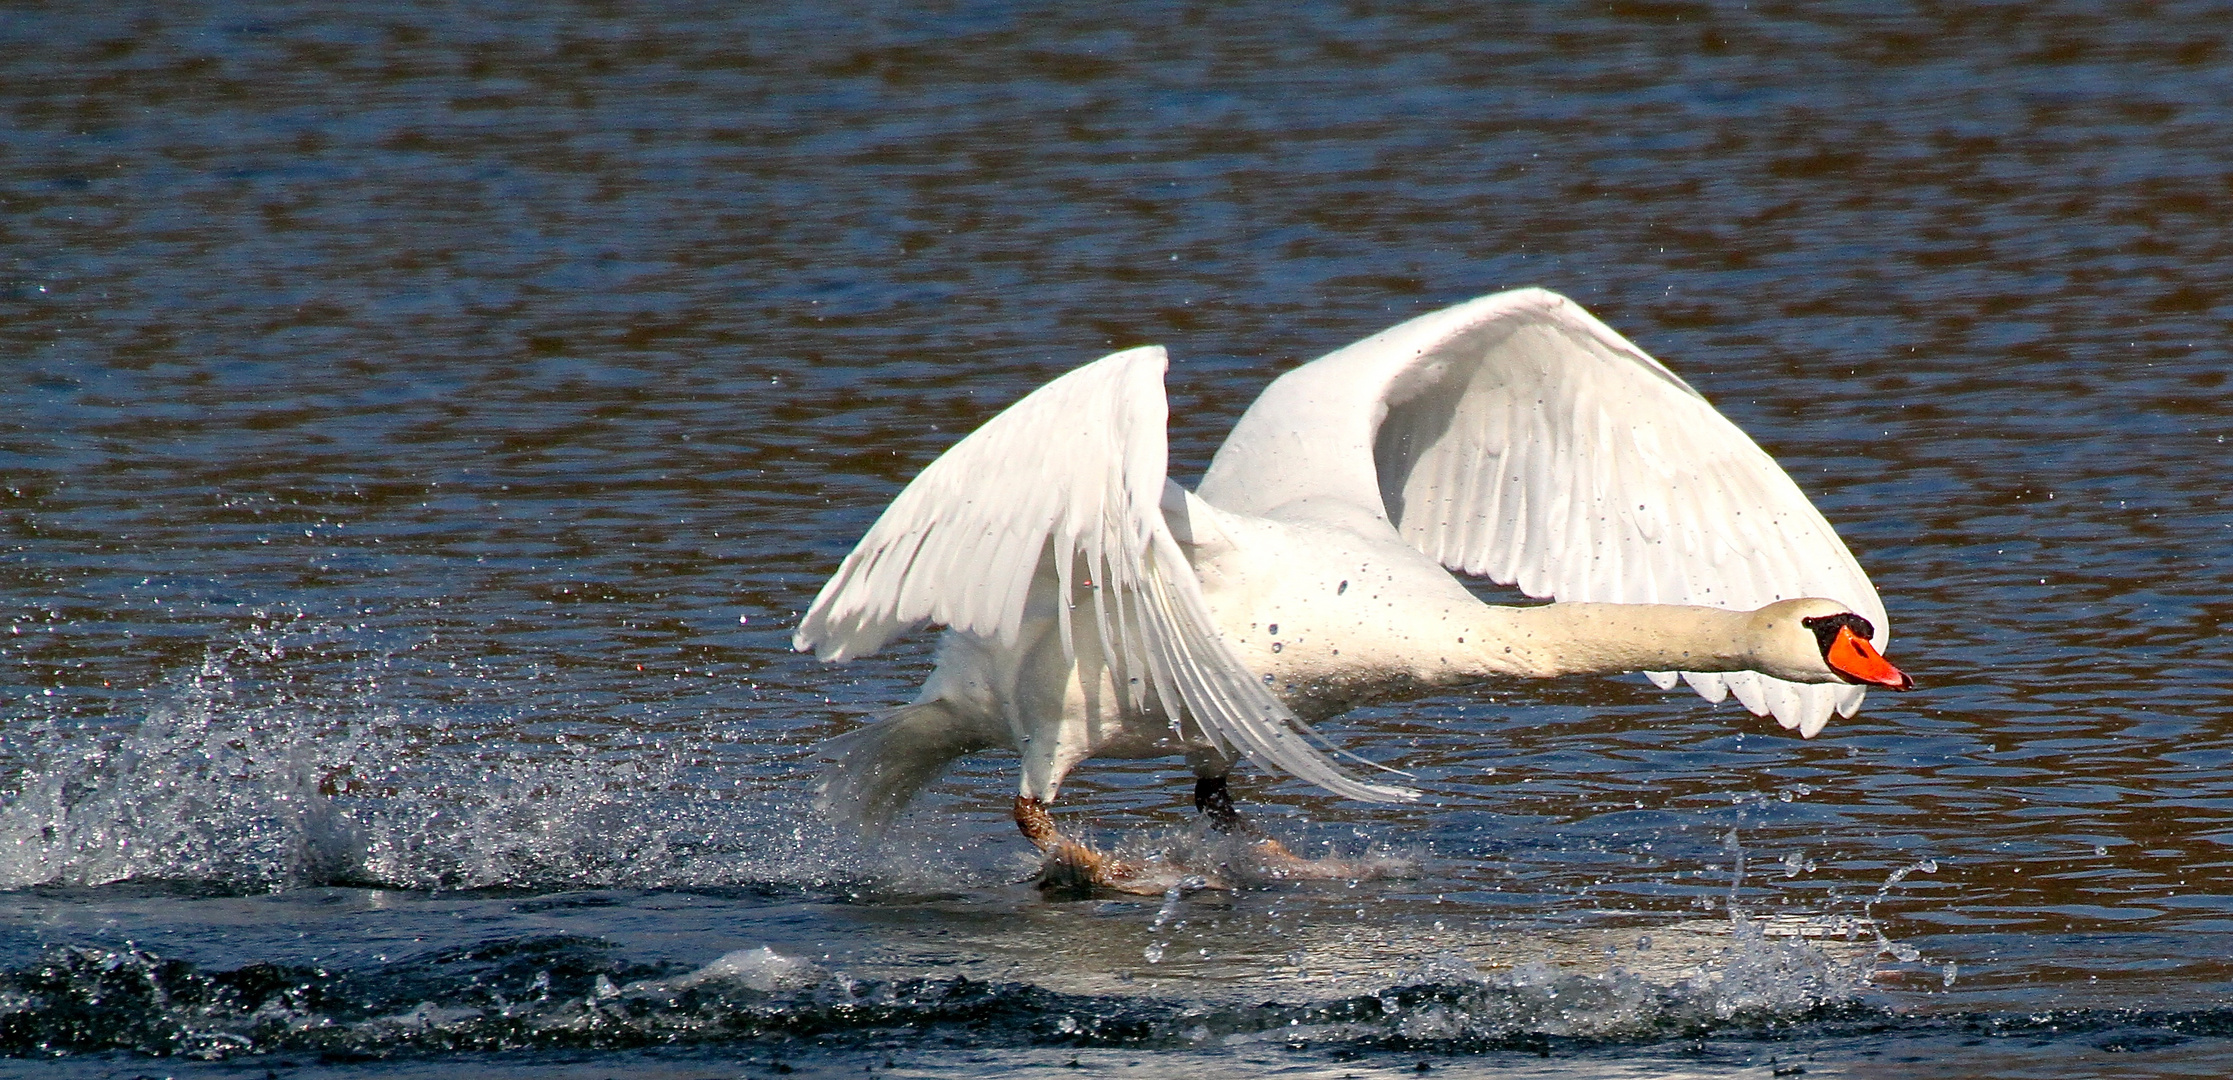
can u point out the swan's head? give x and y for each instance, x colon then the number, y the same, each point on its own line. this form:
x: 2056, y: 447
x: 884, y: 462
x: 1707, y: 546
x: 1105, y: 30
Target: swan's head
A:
x: 1813, y: 640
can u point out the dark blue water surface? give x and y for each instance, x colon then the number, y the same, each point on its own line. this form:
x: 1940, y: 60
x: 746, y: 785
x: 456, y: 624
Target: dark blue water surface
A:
x: 422, y: 424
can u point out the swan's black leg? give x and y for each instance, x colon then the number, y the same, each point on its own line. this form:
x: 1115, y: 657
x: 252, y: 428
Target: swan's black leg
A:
x: 1215, y: 801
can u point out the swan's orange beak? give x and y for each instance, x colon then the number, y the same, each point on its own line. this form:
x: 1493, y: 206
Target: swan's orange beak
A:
x: 1851, y: 656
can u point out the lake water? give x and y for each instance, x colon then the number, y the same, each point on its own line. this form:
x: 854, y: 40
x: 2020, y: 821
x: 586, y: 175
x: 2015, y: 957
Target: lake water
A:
x: 423, y: 424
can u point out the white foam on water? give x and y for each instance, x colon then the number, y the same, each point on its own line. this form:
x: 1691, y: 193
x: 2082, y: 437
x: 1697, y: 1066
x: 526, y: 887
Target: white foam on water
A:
x: 760, y: 968
x: 1697, y: 975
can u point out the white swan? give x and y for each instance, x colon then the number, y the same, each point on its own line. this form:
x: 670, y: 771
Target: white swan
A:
x: 1094, y: 607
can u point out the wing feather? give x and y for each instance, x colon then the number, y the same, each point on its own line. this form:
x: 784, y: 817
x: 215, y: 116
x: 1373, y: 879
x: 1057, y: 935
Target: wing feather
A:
x: 1519, y: 438
x: 1068, y: 480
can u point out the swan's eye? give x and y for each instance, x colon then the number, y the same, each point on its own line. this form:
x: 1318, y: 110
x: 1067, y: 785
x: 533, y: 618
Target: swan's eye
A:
x: 1826, y: 628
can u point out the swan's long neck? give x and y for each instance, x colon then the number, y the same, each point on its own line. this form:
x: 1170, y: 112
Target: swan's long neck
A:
x: 1603, y: 639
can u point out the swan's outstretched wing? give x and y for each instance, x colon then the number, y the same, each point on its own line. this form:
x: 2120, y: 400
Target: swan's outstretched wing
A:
x: 1519, y: 438
x: 1070, y: 479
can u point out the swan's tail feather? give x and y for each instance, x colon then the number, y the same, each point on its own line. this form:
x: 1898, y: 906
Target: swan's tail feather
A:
x: 876, y: 770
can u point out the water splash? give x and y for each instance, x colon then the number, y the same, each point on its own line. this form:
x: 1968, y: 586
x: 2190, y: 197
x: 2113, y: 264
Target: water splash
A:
x: 1796, y: 862
x: 1904, y: 953
x: 241, y: 781
x: 1164, y: 916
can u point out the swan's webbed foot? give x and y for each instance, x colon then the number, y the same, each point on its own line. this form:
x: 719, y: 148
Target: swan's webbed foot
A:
x: 1250, y: 853
x: 1274, y: 861
x: 1233, y: 851
x: 1069, y: 866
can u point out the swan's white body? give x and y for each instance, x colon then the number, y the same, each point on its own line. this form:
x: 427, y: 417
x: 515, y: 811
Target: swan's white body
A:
x: 1094, y: 607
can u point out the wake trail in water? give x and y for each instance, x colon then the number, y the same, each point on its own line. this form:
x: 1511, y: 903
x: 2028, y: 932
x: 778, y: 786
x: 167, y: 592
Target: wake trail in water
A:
x: 569, y: 992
